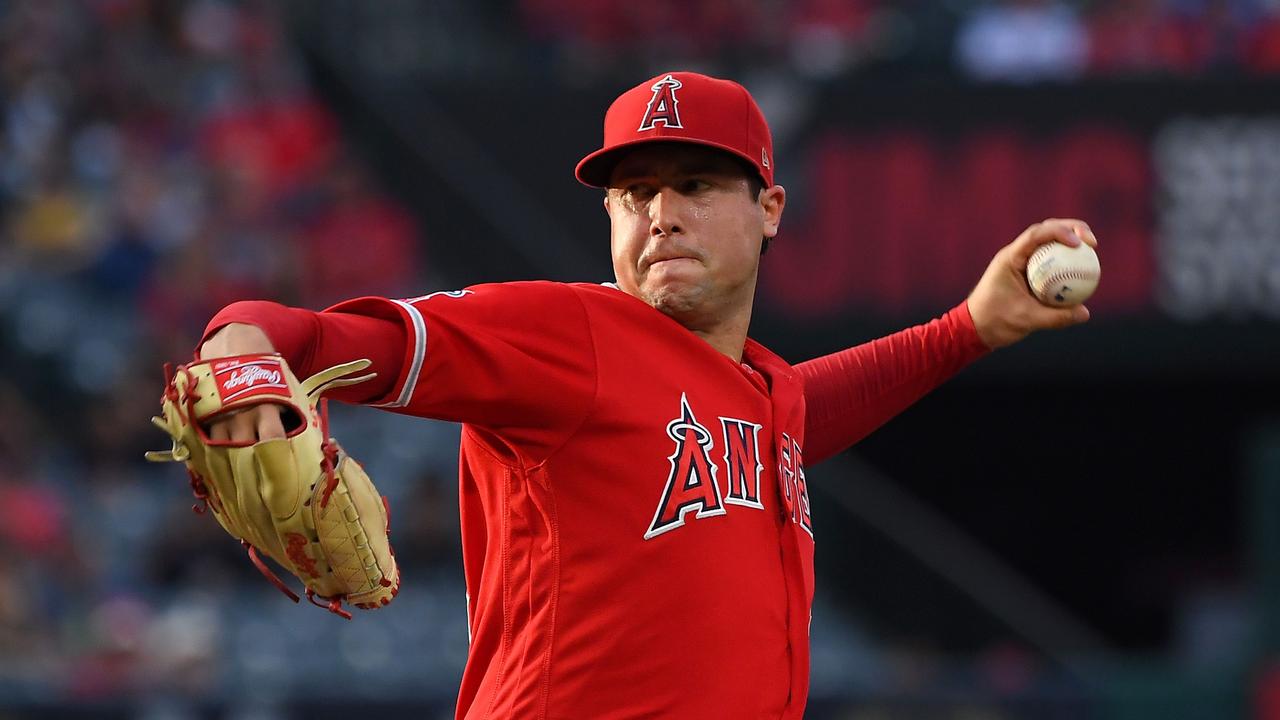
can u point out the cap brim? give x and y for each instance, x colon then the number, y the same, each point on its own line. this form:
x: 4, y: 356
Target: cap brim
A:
x: 594, y: 170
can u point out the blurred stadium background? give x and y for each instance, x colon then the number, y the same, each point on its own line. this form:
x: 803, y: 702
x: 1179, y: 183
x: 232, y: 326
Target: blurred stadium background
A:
x: 1086, y: 525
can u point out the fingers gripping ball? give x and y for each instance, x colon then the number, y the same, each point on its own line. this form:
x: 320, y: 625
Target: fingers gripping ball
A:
x: 1061, y: 275
x: 300, y: 499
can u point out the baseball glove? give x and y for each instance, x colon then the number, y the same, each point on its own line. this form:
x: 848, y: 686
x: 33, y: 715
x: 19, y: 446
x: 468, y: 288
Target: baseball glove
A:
x: 300, y: 500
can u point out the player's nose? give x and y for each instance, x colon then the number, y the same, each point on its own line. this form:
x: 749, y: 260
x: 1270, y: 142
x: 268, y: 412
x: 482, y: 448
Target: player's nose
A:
x: 665, y: 212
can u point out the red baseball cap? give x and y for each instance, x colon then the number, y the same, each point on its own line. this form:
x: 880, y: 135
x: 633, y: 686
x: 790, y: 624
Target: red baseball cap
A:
x: 682, y: 107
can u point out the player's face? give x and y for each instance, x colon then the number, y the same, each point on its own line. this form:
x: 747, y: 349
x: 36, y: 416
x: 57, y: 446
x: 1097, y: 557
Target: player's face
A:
x: 686, y: 231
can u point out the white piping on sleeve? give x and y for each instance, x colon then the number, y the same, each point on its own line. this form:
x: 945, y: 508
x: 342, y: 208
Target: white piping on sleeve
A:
x: 419, y: 355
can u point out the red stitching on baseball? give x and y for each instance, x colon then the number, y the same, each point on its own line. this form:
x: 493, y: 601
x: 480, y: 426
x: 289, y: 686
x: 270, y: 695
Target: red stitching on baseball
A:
x: 1068, y: 275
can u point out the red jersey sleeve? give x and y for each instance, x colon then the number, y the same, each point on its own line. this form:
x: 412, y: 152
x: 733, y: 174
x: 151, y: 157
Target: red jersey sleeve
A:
x: 312, y: 341
x: 850, y: 393
x: 516, y: 359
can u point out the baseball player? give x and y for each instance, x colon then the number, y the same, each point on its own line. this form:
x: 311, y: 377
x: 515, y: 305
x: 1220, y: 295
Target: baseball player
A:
x: 636, y: 527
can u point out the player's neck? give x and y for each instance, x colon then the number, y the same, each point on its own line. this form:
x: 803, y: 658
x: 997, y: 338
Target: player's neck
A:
x: 727, y: 333
x: 723, y: 326
x: 727, y: 344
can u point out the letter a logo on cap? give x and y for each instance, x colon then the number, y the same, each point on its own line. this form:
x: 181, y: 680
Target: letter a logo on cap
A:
x: 662, y: 106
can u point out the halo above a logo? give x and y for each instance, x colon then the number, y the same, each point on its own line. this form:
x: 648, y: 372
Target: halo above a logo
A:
x: 662, y: 107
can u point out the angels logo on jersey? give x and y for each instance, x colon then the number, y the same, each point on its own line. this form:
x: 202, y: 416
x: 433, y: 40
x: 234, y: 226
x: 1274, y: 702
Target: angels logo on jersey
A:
x: 693, y: 481
x: 795, y: 490
x: 662, y: 106
x: 742, y: 460
x: 691, y: 484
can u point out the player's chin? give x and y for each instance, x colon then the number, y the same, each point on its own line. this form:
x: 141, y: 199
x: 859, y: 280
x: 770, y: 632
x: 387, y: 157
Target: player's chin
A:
x: 675, y: 299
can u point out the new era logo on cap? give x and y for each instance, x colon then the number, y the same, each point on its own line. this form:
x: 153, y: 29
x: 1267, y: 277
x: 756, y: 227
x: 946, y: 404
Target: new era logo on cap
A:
x: 682, y: 107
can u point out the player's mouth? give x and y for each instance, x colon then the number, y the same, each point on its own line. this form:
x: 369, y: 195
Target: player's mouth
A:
x: 665, y: 259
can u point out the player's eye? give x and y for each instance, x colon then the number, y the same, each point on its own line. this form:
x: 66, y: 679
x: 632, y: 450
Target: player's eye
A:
x: 693, y: 185
x: 639, y: 192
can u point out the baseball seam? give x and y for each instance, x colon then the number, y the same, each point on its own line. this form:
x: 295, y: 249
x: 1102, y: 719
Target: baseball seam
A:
x: 1046, y: 284
x: 1072, y: 275
x: 1061, y: 275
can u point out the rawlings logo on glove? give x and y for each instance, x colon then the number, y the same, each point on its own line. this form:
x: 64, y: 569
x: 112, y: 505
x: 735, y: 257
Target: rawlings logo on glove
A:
x: 300, y: 499
x: 232, y: 375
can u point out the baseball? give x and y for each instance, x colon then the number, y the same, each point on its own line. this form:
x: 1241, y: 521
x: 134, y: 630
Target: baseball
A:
x: 1061, y: 276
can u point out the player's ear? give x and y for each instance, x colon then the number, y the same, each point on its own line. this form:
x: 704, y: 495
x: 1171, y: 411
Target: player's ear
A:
x: 772, y: 201
x: 606, y: 202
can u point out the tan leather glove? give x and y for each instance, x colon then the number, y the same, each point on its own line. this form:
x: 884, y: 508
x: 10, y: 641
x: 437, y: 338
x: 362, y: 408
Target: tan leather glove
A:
x: 300, y: 499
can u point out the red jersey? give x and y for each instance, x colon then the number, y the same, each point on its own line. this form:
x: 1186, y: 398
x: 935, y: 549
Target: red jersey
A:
x: 636, y: 529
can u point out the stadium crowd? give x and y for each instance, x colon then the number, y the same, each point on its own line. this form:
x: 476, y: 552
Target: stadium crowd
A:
x: 158, y: 160
x: 1012, y: 40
